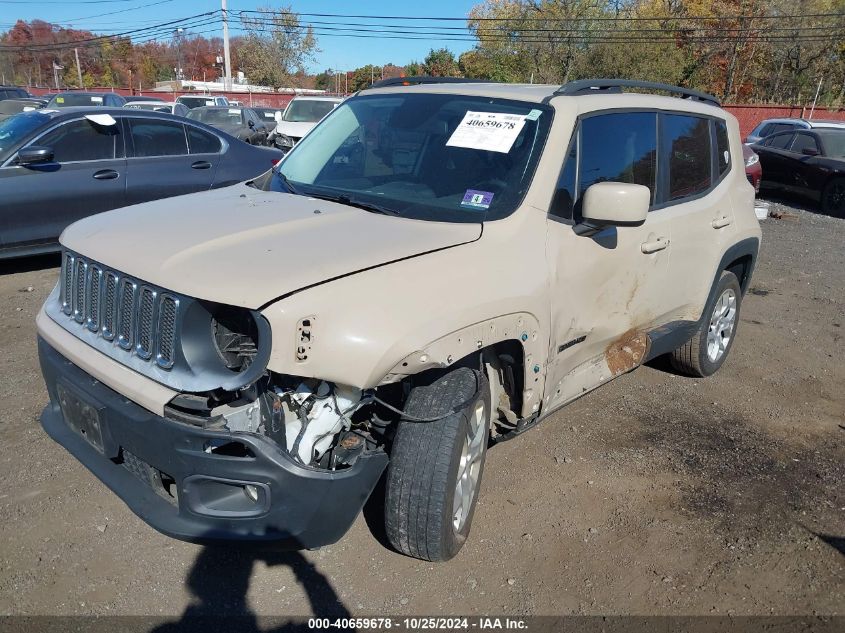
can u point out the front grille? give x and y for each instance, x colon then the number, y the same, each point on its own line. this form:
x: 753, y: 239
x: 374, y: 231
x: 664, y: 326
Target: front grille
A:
x: 141, y: 318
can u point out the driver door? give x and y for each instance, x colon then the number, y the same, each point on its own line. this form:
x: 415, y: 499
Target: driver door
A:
x: 86, y: 176
x: 606, y: 288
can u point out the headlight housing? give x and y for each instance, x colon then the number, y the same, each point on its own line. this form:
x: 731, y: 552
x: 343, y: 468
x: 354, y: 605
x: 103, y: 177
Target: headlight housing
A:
x: 282, y: 140
x: 752, y: 160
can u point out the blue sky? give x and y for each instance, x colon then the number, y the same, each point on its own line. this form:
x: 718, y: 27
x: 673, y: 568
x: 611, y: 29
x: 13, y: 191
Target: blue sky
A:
x: 343, y: 53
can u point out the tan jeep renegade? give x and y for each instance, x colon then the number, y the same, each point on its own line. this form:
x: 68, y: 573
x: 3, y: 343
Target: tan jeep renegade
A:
x: 435, y: 268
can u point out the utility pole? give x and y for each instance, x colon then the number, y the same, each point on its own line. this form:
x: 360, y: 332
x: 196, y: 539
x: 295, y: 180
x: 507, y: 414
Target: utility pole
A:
x: 227, y: 59
x: 79, y: 69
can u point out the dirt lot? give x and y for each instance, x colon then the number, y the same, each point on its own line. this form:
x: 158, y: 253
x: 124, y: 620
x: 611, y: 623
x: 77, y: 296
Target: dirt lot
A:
x: 653, y: 495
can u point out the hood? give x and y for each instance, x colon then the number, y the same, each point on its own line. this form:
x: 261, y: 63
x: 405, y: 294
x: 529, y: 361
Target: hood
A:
x: 241, y: 246
x: 297, y: 130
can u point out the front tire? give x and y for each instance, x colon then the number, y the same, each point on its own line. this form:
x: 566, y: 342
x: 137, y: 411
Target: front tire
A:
x: 435, y: 467
x: 708, y: 348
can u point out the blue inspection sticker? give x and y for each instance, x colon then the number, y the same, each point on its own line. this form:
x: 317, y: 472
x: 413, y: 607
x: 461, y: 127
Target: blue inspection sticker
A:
x: 477, y: 199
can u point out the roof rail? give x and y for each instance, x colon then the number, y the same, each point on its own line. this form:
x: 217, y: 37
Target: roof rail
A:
x: 590, y: 86
x: 408, y: 81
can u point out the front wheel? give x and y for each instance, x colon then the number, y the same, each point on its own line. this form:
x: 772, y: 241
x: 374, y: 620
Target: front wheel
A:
x: 435, y: 467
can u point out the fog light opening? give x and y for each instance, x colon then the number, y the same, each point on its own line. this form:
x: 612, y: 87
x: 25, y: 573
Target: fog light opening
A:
x: 251, y: 492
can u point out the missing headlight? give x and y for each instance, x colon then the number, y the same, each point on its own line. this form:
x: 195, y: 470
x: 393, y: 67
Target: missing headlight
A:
x: 235, y: 336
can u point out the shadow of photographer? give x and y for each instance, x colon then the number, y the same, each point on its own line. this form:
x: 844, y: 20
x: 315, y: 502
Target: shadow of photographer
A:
x: 219, y: 583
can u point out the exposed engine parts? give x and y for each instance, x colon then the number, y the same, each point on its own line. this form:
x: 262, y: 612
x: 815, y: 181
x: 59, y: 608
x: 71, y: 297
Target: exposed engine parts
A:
x: 313, y: 417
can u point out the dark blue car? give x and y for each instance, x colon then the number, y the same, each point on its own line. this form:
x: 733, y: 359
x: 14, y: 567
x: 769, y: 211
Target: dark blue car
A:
x: 57, y: 166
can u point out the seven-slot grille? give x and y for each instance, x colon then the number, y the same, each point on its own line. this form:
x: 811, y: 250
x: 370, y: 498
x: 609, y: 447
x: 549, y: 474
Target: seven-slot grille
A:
x: 139, y: 317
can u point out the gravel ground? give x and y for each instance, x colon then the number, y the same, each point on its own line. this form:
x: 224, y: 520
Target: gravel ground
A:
x: 655, y: 494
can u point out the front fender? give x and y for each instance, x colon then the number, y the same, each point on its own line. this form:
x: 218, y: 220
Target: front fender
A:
x: 358, y: 330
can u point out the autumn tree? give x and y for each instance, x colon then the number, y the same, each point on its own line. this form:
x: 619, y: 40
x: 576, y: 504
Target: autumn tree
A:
x: 275, y: 47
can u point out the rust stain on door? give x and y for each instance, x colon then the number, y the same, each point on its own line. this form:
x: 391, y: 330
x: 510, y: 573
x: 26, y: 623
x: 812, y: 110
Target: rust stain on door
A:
x: 627, y: 352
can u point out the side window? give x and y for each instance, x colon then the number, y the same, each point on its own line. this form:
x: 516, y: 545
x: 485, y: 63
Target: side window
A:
x: 158, y: 138
x: 81, y: 140
x: 804, y: 141
x: 686, y: 154
x: 723, y: 148
x: 564, y: 198
x: 201, y: 142
x: 781, y: 141
x: 766, y: 130
x: 618, y: 147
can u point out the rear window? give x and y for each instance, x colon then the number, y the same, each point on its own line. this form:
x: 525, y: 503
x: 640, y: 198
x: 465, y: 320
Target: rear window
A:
x: 781, y: 141
x: 686, y: 140
x: 158, y: 138
x: 68, y: 100
x: 201, y: 142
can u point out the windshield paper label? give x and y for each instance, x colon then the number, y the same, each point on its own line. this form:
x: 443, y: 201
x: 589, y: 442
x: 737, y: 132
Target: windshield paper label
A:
x: 490, y: 131
x: 477, y: 199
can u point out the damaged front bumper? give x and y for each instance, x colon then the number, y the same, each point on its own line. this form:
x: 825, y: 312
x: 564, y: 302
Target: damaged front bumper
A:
x: 199, y: 485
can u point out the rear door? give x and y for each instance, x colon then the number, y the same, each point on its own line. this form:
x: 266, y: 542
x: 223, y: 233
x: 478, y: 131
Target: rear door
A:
x: 696, y: 197
x: 774, y: 158
x: 160, y: 162
x: 807, y: 178
x: 87, y: 176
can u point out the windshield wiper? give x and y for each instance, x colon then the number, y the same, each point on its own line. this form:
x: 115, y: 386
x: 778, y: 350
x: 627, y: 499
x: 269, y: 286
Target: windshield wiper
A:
x: 287, y: 183
x: 359, y: 204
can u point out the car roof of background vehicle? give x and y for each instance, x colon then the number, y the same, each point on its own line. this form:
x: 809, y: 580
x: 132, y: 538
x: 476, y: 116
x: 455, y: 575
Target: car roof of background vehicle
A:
x: 543, y: 93
x: 316, y: 98
x: 826, y: 123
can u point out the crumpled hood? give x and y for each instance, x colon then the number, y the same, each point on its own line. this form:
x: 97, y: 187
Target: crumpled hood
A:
x: 241, y: 246
x: 297, y: 130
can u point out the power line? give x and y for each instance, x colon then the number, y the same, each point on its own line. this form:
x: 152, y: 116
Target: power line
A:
x: 620, y: 18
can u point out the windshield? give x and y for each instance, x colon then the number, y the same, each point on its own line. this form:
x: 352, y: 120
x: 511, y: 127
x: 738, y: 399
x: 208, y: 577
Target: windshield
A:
x: 17, y: 128
x: 221, y: 116
x: 441, y: 157
x: 307, y: 110
x: 196, y: 102
x: 67, y: 100
x: 834, y: 144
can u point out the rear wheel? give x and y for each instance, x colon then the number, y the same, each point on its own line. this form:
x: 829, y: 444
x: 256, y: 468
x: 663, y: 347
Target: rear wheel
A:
x: 708, y: 348
x: 435, y: 467
x: 833, y: 198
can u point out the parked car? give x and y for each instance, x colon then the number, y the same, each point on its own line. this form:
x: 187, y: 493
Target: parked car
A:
x: 810, y: 164
x: 13, y: 92
x: 202, y: 101
x: 766, y: 127
x: 299, y: 118
x: 143, y: 98
x: 11, y: 107
x: 434, y: 268
x: 179, y: 109
x: 73, y: 99
x: 242, y: 123
x: 270, y: 117
x: 753, y: 170
x: 57, y: 166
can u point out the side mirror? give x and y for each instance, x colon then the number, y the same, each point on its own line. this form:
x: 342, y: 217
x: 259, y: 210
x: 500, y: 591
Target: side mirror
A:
x: 250, y: 124
x: 35, y: 154
x: 614, y: 204
x: 809, y: 151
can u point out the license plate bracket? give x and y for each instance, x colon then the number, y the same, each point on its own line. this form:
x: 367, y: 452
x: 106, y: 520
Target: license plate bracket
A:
x: 81, y: 416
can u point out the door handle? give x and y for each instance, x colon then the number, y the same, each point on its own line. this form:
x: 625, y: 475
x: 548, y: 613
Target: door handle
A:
x: 106, y: 174
x: 201, y: 164
x: 720, y: 223
x: 652, y: 247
